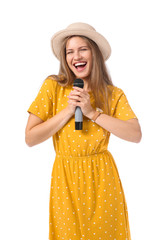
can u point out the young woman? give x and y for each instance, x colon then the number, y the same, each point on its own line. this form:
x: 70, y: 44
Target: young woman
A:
x: 86, y: 199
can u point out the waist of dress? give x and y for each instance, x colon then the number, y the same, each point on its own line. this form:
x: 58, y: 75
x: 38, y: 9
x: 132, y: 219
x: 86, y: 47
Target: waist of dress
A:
x: 82, y: 156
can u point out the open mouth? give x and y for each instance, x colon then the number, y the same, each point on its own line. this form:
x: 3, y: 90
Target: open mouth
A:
x: 80, y: 65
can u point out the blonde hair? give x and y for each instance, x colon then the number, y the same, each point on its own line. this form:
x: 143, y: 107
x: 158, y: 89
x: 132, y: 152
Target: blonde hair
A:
x: 99, y: 78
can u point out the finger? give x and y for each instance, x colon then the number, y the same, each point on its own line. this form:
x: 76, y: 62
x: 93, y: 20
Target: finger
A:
x: 72, y: 102
x: 81, y: 90
x: 75, y: 93
x: 81, y: 93
x: 75, y: 97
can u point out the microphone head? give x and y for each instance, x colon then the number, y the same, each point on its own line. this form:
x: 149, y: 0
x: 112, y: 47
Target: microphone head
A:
x: 78, y: 83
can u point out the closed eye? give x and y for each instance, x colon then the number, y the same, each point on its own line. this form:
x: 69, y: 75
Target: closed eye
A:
x: 68, y: 52
x: 83, y: 49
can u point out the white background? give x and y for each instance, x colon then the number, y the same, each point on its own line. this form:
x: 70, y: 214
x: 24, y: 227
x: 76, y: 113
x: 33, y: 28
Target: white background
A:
x: 132, y: 29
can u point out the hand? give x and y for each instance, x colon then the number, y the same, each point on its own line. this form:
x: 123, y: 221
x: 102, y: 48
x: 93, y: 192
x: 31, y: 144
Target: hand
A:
x: 80, y: 97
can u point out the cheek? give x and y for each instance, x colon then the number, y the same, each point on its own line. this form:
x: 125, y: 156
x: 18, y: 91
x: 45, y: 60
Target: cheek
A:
x: 68, y: 60
x: 69, y: 63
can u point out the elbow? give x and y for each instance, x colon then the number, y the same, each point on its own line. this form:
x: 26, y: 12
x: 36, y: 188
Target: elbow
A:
x: 28, y: 140
x: 138, y: 137
x: 136, y: 133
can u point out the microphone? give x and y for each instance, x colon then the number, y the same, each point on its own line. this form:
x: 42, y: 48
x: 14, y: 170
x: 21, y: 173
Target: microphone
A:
x: 78, y: 112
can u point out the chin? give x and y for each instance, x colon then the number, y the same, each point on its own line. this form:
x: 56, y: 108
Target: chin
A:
x: 82, y: 76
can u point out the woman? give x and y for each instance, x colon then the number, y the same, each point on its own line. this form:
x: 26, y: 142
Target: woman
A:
x: 86, y: 199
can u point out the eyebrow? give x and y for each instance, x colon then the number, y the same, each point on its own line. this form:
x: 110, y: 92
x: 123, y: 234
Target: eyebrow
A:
x: 78, y: 48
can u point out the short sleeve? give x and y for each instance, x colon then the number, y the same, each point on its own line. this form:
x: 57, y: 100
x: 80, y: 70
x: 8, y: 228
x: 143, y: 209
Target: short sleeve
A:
x: 122, y: 108
x: 42, y: 106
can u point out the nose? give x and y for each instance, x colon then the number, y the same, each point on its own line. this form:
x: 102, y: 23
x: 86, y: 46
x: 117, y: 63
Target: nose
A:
x: 77, y: 55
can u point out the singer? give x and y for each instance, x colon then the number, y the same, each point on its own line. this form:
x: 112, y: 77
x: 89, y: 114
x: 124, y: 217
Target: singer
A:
x: 87, y: 200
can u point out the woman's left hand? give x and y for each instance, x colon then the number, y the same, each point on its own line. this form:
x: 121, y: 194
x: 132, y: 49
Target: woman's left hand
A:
x: 80, y: 97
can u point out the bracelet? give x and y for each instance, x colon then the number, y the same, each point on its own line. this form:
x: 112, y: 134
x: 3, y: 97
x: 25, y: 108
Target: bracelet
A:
x: 95, y: 116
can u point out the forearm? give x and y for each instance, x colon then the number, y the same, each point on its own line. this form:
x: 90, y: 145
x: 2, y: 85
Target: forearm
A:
x: 120, y: 128
x: 45, y: 130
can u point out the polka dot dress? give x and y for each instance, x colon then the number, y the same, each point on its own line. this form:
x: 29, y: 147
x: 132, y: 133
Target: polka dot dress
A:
x: 87, y: 200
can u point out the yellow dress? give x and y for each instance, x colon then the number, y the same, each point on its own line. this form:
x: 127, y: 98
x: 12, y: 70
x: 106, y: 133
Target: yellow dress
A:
x: 87, y: 200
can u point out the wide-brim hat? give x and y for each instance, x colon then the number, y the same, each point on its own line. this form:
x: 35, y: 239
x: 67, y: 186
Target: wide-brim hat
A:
x: 81, y: 29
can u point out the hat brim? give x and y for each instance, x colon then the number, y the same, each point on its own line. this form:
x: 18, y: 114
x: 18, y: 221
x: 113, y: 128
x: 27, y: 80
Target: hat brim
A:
x: 57, y: 39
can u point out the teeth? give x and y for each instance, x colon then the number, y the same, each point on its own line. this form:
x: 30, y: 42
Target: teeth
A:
x: 79, y: 64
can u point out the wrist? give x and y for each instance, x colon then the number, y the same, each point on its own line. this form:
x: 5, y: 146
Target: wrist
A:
x: 91, y: 114
x: 69, y: 111
x: 95, y: 114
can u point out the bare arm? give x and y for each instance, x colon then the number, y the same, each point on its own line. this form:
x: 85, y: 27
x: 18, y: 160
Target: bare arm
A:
x: 128, y: 130
x: 38, y: 131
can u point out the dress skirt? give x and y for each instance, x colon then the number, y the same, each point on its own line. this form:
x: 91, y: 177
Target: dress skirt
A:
x: 87, y: 201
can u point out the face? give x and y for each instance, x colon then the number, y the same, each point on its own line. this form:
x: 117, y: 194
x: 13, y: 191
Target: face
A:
x: 79, y: 57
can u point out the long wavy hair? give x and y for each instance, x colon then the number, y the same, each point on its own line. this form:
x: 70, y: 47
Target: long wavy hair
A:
x: 99, y: 78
